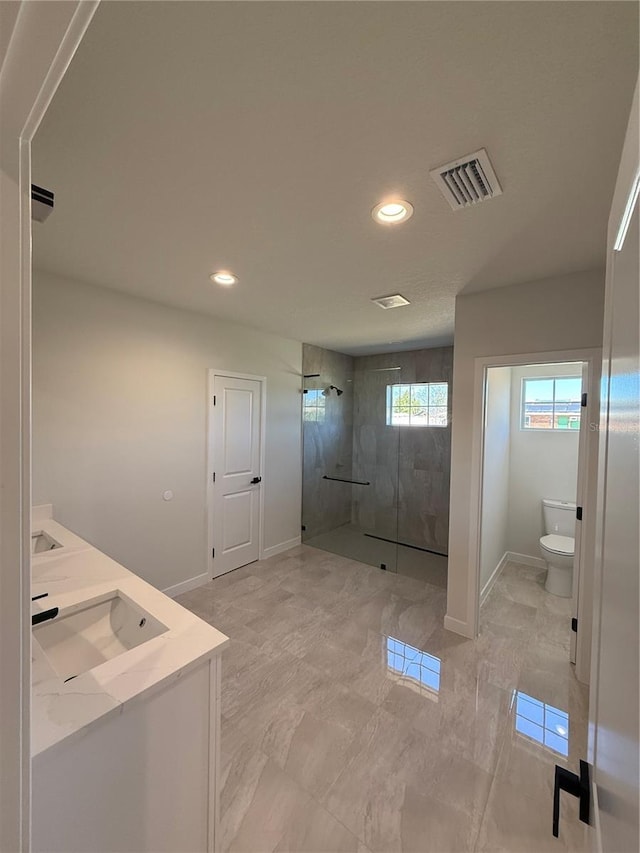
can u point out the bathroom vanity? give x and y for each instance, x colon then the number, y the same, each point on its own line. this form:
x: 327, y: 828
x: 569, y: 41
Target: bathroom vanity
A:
x: 125, y: 707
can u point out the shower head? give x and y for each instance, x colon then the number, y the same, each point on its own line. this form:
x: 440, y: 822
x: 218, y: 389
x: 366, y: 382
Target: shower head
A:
x: 331, y: 388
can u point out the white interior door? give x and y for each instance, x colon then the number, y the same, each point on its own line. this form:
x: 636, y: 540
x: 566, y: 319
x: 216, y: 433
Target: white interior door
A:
x: 236, y: 476
x: 614, y: 711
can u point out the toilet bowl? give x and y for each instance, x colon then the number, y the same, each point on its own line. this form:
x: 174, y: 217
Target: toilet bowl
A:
x: 557, y: 552
x: 557, y: 546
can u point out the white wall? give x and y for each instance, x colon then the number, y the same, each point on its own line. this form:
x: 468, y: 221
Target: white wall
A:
x: 495, y: 489
x: 119, y: 407
x: 559, y: 313
x: 543, y: 465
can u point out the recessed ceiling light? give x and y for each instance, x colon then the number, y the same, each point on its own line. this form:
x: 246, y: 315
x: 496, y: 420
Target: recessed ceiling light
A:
x: 392, y: 212
x: 393, y: 301
x: 224, y: 277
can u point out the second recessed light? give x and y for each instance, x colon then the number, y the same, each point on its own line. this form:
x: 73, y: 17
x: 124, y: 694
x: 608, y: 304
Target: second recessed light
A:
x: 224, y: 277
x: 392, y: 212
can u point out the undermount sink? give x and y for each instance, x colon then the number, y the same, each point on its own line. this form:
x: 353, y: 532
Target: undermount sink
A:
x: 42, y: 542
x: 94, y: 632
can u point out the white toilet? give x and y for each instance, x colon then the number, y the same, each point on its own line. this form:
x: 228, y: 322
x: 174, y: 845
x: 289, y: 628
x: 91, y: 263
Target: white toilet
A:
x: 557, y: 546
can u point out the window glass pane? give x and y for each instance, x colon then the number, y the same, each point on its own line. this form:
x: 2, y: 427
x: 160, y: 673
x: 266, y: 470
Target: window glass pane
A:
x: 437, y: 416
x: 403, y: 400
x: 560, y: 421
x: 569, y: 388
x: 419, y: 416
x: 438, y: 393
x: 419, y: 395
x: 538, y: 389
x: 419, y: 404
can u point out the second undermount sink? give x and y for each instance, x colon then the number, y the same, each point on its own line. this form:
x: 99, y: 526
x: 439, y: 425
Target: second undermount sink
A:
x: 97, y: 631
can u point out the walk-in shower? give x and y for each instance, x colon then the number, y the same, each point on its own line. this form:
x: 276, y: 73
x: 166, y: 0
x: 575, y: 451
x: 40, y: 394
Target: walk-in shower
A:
x: 377, y: 441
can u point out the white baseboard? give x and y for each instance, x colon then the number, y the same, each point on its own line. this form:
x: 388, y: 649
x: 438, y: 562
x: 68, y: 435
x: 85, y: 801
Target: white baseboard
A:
x: 282, y: 546
x: 495, y: 574
x: 185, y: 586
x: 458, y: 627
x: 526, y: 560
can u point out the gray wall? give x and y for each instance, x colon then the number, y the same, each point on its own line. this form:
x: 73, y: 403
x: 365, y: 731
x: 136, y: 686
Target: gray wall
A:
x: 120, y: 415
x: 327, y: 444
x: 408, y: 466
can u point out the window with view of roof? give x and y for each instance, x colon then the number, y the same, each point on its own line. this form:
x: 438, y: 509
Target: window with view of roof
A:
x: 551, y: 403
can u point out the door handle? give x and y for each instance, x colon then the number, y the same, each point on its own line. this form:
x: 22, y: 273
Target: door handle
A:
x: 577, y: 786
x: 256, y: 480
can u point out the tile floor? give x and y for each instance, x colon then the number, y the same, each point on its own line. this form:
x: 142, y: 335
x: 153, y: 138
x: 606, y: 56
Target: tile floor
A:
x: 352, y: 721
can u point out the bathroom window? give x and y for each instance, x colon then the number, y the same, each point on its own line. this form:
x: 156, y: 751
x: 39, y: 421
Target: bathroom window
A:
x: 551, y: 403
x: 313, y: 408
x: 422, y: 404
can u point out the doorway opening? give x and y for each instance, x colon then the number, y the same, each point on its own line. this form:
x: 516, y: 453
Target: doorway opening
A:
x: 532, y: 525
x: 529, y: 560
x: 533, y: 586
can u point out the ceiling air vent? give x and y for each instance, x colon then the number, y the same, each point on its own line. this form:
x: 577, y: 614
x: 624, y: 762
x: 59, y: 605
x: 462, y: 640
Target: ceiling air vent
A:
x: 467, y: 181
x: 393, y: 301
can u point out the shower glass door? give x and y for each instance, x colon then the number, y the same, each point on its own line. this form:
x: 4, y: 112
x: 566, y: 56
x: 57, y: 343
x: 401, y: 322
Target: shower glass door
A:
x: 350, y: 463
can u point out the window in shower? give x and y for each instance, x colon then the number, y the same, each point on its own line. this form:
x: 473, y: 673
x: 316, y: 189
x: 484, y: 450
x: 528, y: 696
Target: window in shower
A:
x: 421, y: 404
x: 314, y: 406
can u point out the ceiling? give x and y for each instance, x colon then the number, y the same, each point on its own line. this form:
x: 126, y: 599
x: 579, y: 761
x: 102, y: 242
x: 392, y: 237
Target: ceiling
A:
x: 189, y: 137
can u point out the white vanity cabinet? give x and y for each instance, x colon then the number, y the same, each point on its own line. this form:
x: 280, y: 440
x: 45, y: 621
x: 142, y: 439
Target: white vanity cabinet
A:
x: 141, y: 779
x: 125, y: 728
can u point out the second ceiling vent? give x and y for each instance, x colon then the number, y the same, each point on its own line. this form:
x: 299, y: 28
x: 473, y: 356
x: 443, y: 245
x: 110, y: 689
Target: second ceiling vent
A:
x: 467, y: 181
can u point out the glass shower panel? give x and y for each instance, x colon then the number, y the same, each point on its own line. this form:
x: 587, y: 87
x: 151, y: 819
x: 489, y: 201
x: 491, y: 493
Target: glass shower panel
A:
x: 376, y: 442
x: 350, y: 464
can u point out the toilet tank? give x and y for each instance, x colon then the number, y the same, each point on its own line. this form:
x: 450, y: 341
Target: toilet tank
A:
x: 559, y: 517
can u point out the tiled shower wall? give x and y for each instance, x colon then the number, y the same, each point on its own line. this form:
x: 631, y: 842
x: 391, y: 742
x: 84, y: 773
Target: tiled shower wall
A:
x: 327, y: 443
x: 408, y: 467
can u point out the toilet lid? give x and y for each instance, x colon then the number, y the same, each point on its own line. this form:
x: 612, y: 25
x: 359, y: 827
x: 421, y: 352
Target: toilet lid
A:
x: 558, y: 544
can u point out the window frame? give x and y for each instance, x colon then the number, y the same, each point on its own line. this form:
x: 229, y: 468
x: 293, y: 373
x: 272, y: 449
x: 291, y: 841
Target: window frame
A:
x: 389, y: 407
x: 552, y: 429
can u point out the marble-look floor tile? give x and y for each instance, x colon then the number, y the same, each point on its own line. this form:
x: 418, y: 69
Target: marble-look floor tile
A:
x: 281, y: 816
x: 353, y: 721
x: 517, y: 823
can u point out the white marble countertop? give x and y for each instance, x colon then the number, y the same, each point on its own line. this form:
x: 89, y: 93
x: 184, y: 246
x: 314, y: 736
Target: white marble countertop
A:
x: 77, y: 572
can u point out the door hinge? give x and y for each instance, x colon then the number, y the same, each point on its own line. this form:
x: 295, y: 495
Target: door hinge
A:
x: 574, y: 625
x: 579, y: 513
x: 213, y: 553
x: 214, y: 399
x: 584, y: 400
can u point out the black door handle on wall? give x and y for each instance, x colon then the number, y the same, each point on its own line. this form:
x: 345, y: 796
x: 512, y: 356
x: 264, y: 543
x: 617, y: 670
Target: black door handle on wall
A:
x: 577, y: 786
x: 256, y: 480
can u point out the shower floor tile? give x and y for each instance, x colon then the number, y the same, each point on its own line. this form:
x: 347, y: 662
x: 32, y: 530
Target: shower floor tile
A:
x: 352, y: 721
x: 349, y: 541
